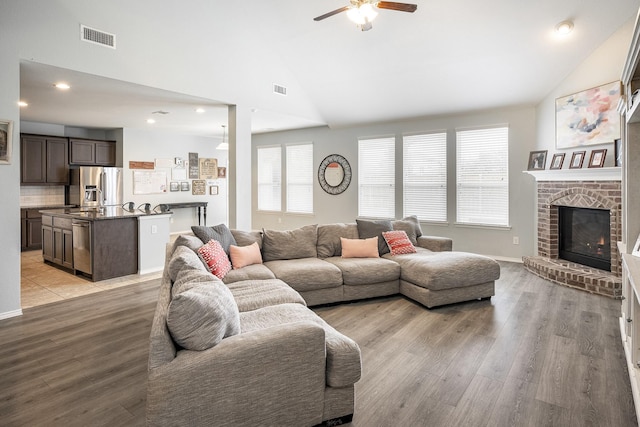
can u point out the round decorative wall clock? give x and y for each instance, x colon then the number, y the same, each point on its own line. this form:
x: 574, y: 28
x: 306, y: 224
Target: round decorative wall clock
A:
x: 334, y: 174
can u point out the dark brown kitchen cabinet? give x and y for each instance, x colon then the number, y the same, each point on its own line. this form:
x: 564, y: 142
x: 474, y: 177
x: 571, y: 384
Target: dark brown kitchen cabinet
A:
x: 57, y: 241
x: 89, y: 152
x: 44, y: 160
x: 31, y: 229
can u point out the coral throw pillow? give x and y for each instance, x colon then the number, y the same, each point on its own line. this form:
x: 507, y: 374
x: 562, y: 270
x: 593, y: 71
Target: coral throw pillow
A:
x: 398, y: 242
x: 241, y: 256
x: 215, y: 259
x: 360, y: 248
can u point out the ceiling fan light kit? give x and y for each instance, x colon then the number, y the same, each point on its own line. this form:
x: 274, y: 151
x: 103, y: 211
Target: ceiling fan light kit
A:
x: 362, y: 12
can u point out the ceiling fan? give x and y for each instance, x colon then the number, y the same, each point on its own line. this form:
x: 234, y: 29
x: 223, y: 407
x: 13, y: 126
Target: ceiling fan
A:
x: 362, y: 12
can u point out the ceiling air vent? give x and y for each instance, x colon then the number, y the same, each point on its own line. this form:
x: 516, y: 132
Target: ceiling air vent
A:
x: 92, y: 35
x: 280, y: 90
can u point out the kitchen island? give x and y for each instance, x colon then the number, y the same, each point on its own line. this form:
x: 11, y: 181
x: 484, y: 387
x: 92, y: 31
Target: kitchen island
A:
x: 99, y: 244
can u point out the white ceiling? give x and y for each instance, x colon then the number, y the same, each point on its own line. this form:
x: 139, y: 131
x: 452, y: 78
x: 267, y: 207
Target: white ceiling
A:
x: 446, y: 57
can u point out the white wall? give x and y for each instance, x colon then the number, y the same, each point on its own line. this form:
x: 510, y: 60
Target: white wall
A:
x: 603, y: 66
x: 146, y: 146
x: 344, y: 207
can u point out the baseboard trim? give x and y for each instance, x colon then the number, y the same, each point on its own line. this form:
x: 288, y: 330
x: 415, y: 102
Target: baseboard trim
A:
x: 9, y: 314
x: 507, y: 259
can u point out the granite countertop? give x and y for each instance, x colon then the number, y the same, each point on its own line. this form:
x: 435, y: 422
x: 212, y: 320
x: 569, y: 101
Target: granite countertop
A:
x: 110, y: 212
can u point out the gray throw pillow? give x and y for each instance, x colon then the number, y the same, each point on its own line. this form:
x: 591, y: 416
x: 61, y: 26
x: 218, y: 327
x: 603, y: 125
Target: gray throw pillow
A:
x: 290, y: 244
x: 200, y: 317
x: 411, y: 219
x: 329, y: 238
x: 407, y: 227
x: 219, y: 232
x: 374, y: 228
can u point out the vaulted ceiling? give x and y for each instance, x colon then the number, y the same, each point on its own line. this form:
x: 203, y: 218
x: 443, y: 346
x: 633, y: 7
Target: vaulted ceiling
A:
x: 448, y: 56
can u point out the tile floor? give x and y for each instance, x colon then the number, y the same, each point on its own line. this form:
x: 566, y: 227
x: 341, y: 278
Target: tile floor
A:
x: 42, y: 283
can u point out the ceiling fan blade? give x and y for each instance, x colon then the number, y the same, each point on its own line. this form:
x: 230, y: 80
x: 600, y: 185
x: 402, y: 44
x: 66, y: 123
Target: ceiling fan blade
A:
x: 401, y: 7
x: 333, y: 12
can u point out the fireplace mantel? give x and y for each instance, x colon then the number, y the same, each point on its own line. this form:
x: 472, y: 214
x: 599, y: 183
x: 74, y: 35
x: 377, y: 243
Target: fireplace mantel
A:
x: 593, y: 174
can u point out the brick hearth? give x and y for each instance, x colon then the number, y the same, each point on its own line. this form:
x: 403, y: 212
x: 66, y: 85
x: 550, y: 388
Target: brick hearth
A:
x: 583, y: 194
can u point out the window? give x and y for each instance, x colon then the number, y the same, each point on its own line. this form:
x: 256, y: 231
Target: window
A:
x: 269, y: 179
x: 300, y: 178
x: 424, y: 183
x: 376, y: 178
x: 483, y: 176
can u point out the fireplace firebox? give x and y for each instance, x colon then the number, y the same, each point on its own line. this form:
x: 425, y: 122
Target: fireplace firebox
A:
x: 584, y: 236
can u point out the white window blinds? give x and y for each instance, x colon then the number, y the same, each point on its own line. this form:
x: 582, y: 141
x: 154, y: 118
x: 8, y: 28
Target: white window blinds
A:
x: 376, y: 178
x: 482, y: 173
x: 425, y: 176
x: 269, y: 178
x: 300, y: 178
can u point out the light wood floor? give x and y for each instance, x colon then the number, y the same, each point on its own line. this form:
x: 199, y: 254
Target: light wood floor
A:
x: 42, y: 283
x: 536, y: 354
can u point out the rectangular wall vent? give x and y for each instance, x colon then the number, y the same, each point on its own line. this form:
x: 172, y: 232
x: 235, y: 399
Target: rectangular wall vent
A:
x: 280, y: 90
x: 102, y: 38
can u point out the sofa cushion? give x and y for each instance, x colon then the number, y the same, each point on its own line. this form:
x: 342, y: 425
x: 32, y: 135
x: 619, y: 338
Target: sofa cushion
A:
x: 241, y: 256
x: 184, y: 258
x: 250, y: 272
x: 329, y: 238
x: 245, y: 238
x: 306, y: 274
x: 214, y: 258
x: 192, y: 242
x: 290, y: 244
x: 190, y: 278
x: 219, y: 232
x: 343, y: 354
x: 366, y: 271
x: 410, y: 225
x: 446, y: 270
x: 398, y: 242
x: 200, y: 317
x: 374, y: 228
x: 254, y: 294
x: 360, y: 248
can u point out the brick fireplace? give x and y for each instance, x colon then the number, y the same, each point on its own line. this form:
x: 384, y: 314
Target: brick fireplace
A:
x: 593, y: 194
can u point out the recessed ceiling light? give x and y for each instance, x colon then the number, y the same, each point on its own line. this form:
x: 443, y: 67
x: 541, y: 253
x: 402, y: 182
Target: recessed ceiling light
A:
x: 151, y: 121
x: 564, y: 28
x: 200, y: 110
x: 62, y: 86
x: 22, y: 104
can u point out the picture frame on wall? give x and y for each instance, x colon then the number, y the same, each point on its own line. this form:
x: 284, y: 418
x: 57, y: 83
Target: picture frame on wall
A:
x: 617, y: 151
x: 213, y: 190
x: 537, y: 160
x: 557, y: 161
x: 174, y: 186
x: 184, y: 186
x: 597, y: 158
x: 589, y: 117
x: 577, y: 158
x: 6, y: 137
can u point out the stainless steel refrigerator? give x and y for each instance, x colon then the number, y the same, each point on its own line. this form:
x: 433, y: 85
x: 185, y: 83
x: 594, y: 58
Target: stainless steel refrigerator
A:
x: 95, y: 186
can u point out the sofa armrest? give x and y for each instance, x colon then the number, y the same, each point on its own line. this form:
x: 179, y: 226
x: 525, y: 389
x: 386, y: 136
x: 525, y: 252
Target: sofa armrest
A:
x: 273, y: 376
x: 435, y: 243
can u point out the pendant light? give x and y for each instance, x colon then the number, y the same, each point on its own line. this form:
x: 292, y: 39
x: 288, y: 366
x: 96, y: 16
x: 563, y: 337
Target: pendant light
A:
x: 223, y: 145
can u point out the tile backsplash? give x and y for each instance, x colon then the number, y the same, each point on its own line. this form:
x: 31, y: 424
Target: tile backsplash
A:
x: 33, y: 196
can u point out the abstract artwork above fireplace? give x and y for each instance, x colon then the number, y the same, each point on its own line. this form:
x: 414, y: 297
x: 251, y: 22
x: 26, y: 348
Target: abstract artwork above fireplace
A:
x: 588, y: 117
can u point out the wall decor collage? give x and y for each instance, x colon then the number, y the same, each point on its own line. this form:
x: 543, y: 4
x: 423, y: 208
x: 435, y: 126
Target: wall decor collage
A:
x: 197, y: 174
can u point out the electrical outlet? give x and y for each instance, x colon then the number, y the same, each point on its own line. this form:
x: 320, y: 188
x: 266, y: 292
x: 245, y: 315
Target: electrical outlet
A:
x: 154, y: 229
x: 516, y: 240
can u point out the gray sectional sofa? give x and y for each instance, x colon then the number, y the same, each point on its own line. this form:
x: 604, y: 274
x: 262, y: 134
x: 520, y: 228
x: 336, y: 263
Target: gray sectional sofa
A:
x: 246, y: 350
